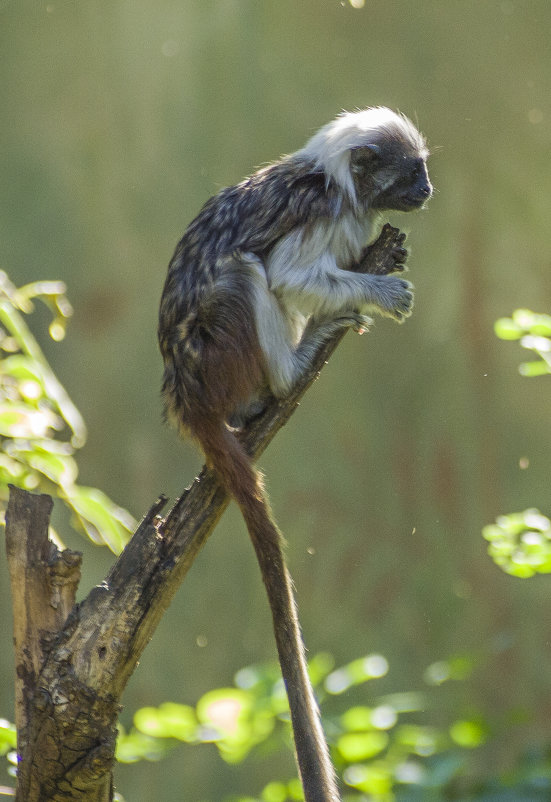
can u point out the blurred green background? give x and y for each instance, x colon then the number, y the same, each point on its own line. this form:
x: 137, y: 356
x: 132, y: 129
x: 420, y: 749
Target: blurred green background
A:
x: 119, y: 119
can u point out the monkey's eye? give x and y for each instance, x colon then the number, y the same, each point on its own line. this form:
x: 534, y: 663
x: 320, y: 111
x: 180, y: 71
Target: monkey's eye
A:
x: 416, y: 172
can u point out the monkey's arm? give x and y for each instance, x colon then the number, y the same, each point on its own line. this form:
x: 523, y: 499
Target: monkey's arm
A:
x: 322, y: 290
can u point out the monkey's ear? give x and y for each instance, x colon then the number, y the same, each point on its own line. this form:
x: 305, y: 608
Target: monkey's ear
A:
x: 371, y: 148
x: 363, y: 157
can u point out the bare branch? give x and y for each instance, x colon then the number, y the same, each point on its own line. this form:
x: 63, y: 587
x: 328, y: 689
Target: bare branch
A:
x: 69, y: 690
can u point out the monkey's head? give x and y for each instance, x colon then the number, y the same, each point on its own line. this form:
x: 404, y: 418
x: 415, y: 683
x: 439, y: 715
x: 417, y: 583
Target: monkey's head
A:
x: 377, y: 157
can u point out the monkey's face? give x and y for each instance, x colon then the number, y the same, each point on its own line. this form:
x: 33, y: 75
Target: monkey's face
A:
x: 411, y: 189
x: 387, y: 180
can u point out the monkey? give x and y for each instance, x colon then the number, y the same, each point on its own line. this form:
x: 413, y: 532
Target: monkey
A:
x: 269, y: 270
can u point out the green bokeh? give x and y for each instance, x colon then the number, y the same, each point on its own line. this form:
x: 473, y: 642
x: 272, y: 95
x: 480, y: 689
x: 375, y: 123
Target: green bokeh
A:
x: 119, y: 120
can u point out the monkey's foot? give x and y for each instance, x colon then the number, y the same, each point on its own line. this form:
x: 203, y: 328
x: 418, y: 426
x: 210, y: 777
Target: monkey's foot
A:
x: 362, y: 323
x: 356, y: 321
x: 247, y: 412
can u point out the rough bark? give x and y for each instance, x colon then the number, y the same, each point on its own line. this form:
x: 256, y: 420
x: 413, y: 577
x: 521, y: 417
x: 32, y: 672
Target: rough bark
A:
x: 73, y: 661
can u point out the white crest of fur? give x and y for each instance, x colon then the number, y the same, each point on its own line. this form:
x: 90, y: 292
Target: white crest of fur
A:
x: 330, y: 147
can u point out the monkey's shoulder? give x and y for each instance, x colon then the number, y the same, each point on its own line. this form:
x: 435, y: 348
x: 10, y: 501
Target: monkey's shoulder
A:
x: 294, y: 190
x: 262, y: 208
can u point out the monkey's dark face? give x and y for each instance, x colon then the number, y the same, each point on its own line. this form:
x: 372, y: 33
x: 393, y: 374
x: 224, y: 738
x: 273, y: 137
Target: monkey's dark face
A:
x: 388, y: 180
x: 410, y: 189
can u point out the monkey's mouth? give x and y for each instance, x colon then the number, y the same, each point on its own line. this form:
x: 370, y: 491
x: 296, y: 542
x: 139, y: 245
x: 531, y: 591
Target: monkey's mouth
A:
x: 408, y: 202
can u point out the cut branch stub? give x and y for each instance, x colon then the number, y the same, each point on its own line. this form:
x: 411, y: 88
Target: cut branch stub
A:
x: 43, y: 585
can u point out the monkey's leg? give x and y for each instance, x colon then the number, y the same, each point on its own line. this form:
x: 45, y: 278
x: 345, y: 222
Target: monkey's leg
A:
x: 284, y: 361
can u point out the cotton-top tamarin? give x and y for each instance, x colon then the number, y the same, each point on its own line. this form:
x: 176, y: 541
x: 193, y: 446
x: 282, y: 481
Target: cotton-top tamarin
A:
x: 267, y: 271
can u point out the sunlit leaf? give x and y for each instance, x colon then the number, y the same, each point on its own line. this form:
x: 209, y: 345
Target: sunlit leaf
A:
x: 294, y: 789
x: 224, y: 709
x: 26, y: 421
x: 535, y: 368
x: 58, y: 468
x: 355, y: 673
x: 274, y: 792
x: 8, y: 736
x: 524, y: 318
x: 455, y: 668
x: 468, y: 734
x: 103, y: 521
x: 507, y: 329
x: 240, y: 725
x: 169, y: 720
x: 135, y: 746
x: 358, y: 746
x: 320, y: 666
x: 375, y: 779
x: 520, y: 543
x: 10, y: 469
x: 22, y: 368
x: 424, y: 741
x: 357, y: 719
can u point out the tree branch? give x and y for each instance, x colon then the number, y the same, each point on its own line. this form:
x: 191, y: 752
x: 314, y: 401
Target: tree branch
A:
x: 69, y: 689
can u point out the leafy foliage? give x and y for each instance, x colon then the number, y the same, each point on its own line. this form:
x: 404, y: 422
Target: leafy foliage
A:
x: 534, y: 332
x: 377, y: 748
x: 382, y: 747
x: 40, y: 427
x: 520, y: 542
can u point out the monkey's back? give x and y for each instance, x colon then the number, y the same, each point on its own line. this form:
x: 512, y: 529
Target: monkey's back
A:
x: 205, y: 303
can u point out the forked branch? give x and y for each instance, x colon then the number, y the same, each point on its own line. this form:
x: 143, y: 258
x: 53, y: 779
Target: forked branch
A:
x: 73, y: 661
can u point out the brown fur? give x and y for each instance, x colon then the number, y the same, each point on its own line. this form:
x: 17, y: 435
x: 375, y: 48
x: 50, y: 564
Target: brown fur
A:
x: 226, y: 454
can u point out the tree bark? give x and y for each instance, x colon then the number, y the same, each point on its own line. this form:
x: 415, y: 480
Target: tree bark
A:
x: 73, y: 660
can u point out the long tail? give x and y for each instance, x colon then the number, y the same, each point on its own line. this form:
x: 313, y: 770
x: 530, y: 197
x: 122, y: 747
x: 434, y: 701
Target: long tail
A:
x: 241, y: 480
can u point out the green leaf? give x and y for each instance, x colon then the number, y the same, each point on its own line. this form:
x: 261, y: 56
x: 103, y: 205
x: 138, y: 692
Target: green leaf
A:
x: 103, y: 521
x: 232, y: 720
x: 520, y: 543
x: 542, y: 326
x: 275, y: 792
x: 507, y: 329
x: 26, y: 372
x: 170, y: 720
x: 357, y: 719
x: 319, y: 667
x: 8, y: 736
x: 375, y: 779
x: 468, y: 734
x: 19, y: 420
x: 424, y: 741
x: 135, y: 746
x: 524, y: 318
x: 535, y: 368
x: 358, y: 746
x: 357, y: 672
x: 61, y: 469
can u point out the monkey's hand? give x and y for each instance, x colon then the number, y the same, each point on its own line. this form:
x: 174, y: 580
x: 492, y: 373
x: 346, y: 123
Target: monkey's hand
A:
x: 386, y: 255
x: 392, y: 296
